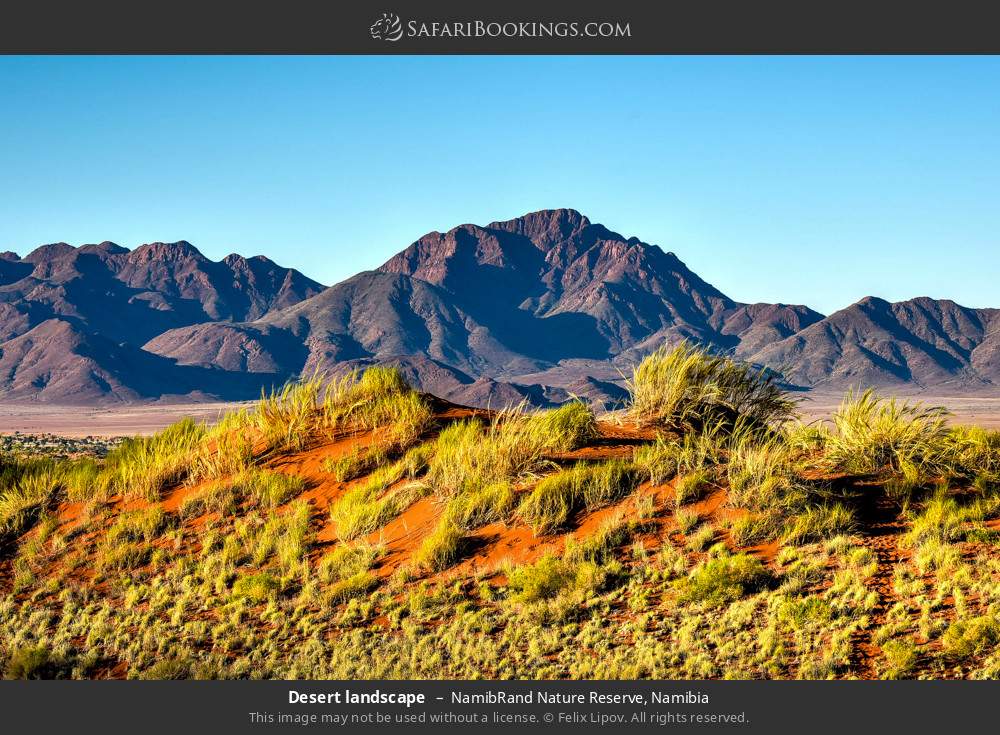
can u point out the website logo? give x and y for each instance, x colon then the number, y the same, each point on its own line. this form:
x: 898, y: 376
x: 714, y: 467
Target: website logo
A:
x: 387, y: 28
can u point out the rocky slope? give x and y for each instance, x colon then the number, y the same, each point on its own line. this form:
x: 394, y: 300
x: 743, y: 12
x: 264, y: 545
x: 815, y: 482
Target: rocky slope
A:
x: 535, y: 308
x: 921, y: 343
x: 549, y: 293
x: 72, y: 320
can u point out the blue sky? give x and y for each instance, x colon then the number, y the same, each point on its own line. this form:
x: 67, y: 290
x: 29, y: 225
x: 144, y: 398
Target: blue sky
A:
x: 800, y: 180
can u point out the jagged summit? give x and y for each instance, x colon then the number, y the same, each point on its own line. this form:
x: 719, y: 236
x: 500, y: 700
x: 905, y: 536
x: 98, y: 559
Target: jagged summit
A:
x: 548, y: 294
x: 73, y: 320
x: 540, y: 306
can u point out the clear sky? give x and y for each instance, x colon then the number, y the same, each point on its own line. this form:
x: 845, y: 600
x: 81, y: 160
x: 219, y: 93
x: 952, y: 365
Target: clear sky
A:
x: 799, y: 180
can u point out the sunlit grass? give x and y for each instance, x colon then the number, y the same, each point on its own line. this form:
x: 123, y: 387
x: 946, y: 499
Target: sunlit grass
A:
x: 687, y: 388
x: 874, y: 433
x: 551, y: 502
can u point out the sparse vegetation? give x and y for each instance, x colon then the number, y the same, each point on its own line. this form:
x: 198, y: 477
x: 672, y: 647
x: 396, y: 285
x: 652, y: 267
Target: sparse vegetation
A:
x: 143, y: 466
x: 818, y: 522
x: 724, y: 578
x: 686, y: 519
x: 511, y: 447
x: 440, y: 549
x: 364, y: 510
x: 590, y: 486
x: 873, y: 434
x: 256, y: 587
x: 721, y: 546
x: 688, y: 388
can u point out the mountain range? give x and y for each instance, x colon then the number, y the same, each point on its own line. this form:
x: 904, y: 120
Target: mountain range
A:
x: 540, y: 308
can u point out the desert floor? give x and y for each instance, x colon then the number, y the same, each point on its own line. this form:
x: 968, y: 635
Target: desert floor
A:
x: 968, y: 409
x: 77, y: 421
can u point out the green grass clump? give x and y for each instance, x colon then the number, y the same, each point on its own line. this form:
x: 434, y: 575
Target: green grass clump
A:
x: 293, y: 540
x: 969, y: 637
x: 123, y: 556
x: 259, y: 488
x: 687, y: 388
x: 658, y: 460
x: 694, y: 453
x: 356, y: 585
x: 810, y: 437
x: 874, y: 434
x: 268, y: 489
x: 23, y: 500
x: 686, y: 519
x: 32, y: 662
x: 723, y: 579
x: 818, y: 522
x: 551, y: 575
x: 540, y: 580
x: 378, y: 397
x: 701, y: 538
x: 478, y: 507
x: 348, y: 561
x: 286, y: 417
x: 761, y: 474
x: 900, y: 658
x: 284, y: 536
x: 469, y: 455
x: 943, y: 520
x: 355, y: 463
x: 901, y: 488
x: 138, y: 525
x: 590, y: 486
x: 974, y: 452
x: 566, y: 428
x: 755, y: 528
x: 362, y: 510
x: 173, y: 668
x: 690, y: 487
x: 441, y: 548
x: 613, y: 533
x: 256, y: 588
x: 225, y: 450
x: 404, y: 417
x: 141, y: 467
x: 463, y: 457
x: 216, y: 497
x: 81, y: 478
x: 417, y: 459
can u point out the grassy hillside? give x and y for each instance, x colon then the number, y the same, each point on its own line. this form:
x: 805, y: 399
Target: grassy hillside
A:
x: 358, y: 529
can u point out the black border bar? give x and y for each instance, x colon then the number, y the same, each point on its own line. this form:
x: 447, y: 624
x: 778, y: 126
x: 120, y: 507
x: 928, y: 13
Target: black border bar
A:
x: 774, y: 708
x: 341, y: 27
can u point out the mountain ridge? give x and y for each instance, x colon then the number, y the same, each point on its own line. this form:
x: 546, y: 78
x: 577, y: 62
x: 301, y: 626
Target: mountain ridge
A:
x: 536, y: 308
x: 500, y: 302
x: 73, y: 319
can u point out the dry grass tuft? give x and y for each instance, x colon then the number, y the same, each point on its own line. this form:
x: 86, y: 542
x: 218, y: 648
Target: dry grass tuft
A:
x: 687, y: 388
